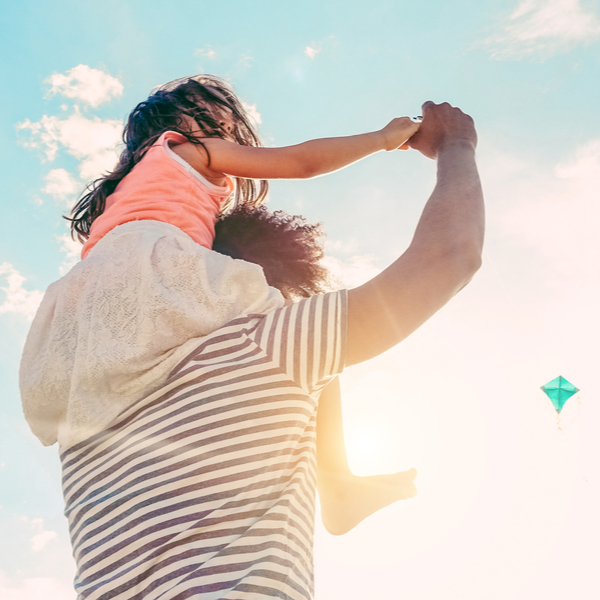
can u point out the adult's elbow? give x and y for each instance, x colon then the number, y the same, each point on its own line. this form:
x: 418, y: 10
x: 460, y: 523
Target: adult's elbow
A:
x: 466, y: 262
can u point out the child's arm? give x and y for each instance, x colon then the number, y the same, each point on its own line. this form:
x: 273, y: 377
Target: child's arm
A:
x: 347, y: 499
x: 301, y: 161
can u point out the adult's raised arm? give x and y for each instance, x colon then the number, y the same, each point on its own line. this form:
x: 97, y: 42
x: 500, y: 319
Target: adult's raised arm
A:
x: 446, y: 248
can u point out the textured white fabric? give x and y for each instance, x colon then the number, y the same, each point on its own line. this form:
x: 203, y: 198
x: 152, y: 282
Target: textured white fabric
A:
x: 115, y: 326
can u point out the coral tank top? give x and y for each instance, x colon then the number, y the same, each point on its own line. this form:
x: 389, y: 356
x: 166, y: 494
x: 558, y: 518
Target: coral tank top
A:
x: 163, y: 187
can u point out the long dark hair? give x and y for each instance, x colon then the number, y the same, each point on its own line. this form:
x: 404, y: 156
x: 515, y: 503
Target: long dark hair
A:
x: 196, y: 97
x: 287, y: 247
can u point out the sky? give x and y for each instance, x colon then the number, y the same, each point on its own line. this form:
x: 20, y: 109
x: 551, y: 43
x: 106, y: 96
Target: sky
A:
x: 508, y: 492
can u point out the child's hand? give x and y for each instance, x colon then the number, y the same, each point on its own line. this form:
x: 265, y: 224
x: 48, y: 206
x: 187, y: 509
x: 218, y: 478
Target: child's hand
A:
x: 397, y: 132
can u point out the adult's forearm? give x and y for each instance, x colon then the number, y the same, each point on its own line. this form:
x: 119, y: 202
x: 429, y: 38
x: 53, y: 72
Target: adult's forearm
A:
x: 452, y: 223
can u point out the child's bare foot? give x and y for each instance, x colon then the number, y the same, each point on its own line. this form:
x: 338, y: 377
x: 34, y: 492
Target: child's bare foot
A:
x: 346, y: 500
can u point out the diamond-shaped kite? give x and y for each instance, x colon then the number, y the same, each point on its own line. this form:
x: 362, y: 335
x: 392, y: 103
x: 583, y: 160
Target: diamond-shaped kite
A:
x: 559, y: 390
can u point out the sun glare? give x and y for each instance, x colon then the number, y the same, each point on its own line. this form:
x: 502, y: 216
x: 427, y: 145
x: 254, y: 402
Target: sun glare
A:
x: 379, y: 446
x: 365, y: 448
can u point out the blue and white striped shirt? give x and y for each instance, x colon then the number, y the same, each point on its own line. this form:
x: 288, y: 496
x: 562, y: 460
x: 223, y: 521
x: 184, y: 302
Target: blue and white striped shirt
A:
x: 205, y: 488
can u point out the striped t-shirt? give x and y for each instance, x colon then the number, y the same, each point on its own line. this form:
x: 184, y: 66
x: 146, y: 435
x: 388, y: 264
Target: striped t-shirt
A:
x: 205, y: 488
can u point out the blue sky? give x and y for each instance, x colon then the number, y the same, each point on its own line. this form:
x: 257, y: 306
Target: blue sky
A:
x: 507, y: 504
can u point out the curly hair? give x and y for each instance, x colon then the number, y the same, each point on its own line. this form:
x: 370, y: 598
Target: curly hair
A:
x: 164, y: 110
x: 287, y: 248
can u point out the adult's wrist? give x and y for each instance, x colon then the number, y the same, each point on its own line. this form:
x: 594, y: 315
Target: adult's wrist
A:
x: 456, y: 144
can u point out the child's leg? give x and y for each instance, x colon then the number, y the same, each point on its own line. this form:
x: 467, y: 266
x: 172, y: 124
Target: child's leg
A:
x: 346, y: 499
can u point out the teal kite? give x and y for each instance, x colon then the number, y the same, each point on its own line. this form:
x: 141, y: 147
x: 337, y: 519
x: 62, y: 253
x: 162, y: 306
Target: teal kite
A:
x: 559, y: 390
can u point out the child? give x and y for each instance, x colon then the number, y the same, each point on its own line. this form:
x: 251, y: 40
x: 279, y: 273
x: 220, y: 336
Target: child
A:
x: 149, y: 287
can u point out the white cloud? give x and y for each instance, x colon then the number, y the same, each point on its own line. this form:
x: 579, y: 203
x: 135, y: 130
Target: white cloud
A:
x: 326, y: 43
x: 43, y: 136
x: 347, y: 246
x: 542, y: 252
x: 586, y: 165
x: 252, y: 112
x: 551, y: 214
x: 34, y: 588
x: 544, y: 26
x: 61, y: 185
x: 39, y: 541
x: 207, y: 52
x: 312, y: 50
x: 94, y: 142
x: 353, y: 272
x: 18, y: 299
x: 42, y: 536
x: 245, y: 62
x: 88, y: 85
x: 72, y: 249
x: 91, y: 140
x: 98, y: 164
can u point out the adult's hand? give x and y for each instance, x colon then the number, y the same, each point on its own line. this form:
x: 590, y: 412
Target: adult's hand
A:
x: 442, y: 124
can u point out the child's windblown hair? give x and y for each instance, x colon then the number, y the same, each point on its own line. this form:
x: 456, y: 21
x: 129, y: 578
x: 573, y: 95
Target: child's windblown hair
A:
x: 199, y: 97
x: 287, y: 247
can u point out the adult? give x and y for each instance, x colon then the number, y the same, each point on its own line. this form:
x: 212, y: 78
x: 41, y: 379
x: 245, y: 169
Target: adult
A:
x: 205, y: 487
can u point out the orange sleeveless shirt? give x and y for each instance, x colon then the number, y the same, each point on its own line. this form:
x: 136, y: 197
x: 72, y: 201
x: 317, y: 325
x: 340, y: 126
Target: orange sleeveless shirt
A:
x: 163, y: 187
